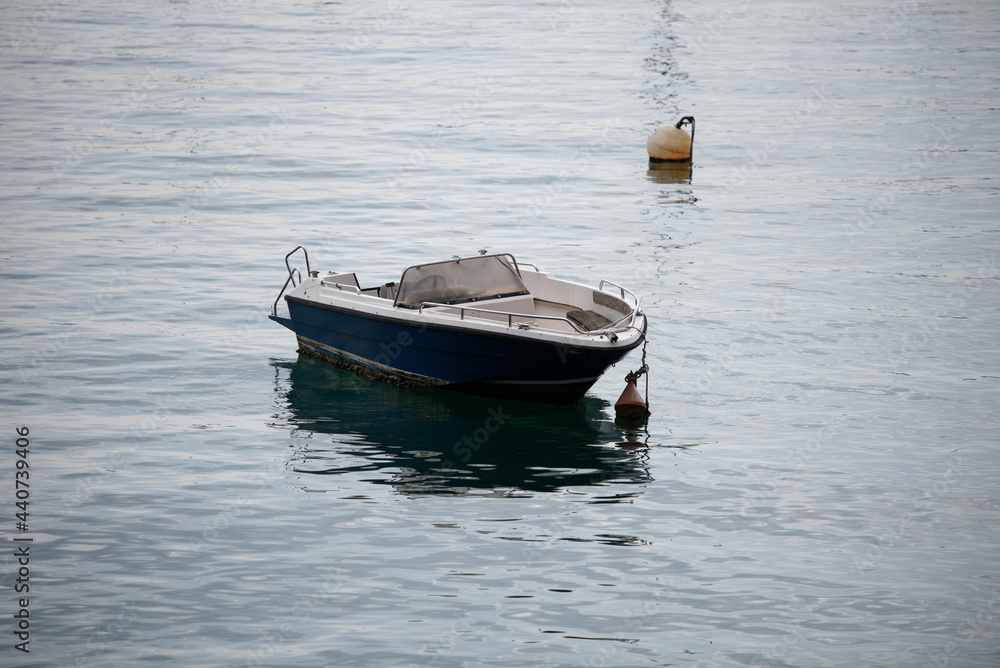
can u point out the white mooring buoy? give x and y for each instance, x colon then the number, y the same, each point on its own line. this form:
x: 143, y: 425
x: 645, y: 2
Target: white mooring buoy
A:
x: 671, y: 143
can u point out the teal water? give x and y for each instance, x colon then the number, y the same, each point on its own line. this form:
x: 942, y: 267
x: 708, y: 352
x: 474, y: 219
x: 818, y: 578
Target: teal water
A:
x: 817, y: 485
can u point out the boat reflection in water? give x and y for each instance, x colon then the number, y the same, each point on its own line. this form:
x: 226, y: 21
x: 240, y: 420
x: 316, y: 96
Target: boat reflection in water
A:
x: 431, y: 441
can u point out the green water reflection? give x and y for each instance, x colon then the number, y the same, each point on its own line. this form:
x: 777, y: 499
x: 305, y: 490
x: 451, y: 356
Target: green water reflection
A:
x: 432, y: 441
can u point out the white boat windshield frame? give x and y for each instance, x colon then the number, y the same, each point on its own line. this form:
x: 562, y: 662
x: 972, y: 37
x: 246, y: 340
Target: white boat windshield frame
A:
x: 460, y: 281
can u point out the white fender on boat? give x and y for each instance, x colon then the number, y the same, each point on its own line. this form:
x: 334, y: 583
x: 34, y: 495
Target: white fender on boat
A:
x: 671, y: 142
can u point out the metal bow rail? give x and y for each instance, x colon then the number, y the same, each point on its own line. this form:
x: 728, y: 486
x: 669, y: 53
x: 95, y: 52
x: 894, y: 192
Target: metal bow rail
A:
x: 291, y: 276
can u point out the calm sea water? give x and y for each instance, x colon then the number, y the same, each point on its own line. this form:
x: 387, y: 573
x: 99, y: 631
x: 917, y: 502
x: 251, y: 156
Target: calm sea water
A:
x: 819, y: 482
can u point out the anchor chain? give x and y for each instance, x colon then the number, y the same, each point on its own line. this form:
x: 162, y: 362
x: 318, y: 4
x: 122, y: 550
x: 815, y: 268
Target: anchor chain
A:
x: 634, y: 375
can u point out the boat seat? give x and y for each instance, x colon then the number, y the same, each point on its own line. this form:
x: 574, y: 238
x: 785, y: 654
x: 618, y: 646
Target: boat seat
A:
x: 589, y: 320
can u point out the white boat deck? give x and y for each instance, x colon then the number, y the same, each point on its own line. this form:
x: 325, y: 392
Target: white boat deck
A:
x: 519, y: 311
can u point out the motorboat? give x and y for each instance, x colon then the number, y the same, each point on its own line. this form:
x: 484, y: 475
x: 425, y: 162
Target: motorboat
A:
x: 484, y: 324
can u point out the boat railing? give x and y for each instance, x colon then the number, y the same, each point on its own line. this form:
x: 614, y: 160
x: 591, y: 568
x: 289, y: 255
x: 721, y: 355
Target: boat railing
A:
x: 510, y: 314
x: 304, y: 252
x: 630, y: 317
x: 622, y: 290
x: 290, y: 279
x: 625, y: 322
x: 292, y: 273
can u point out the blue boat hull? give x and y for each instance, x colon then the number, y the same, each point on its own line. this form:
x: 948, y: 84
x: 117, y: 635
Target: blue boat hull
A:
x: 501, y: 365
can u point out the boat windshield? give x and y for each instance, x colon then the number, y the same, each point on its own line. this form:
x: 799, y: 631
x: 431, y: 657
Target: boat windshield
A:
x: 469, y: 279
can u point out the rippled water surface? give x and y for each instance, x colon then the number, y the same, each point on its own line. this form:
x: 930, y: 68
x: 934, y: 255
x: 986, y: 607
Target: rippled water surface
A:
x: 817, y: 485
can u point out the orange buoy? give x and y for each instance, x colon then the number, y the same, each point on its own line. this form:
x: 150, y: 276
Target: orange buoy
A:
x: 670, y: 143
x: 631, y: 405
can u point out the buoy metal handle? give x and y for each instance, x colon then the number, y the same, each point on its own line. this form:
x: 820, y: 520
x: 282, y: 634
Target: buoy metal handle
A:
x: 690, y: 120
